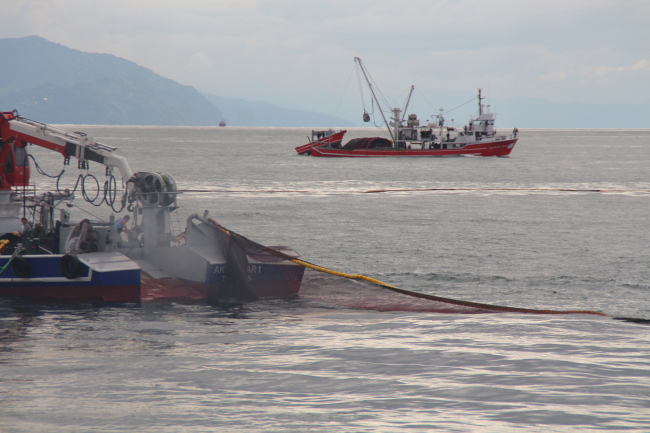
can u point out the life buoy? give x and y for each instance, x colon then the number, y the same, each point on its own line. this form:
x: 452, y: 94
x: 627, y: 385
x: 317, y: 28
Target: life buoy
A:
x: 20, y: 267
x: 70, y: 266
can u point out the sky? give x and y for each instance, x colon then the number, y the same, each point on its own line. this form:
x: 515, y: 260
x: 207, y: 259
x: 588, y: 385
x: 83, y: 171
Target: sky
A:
x: 299, y: 54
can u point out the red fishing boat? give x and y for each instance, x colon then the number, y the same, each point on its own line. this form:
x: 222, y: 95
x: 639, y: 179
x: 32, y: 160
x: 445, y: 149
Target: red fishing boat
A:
x: 320, y: 139
x: 433, y: 138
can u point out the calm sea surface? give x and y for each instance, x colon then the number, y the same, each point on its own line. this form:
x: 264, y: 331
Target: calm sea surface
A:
x: 503, y: 231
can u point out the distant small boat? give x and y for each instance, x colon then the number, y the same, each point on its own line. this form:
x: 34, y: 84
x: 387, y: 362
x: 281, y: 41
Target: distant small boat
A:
x: 222, y: 123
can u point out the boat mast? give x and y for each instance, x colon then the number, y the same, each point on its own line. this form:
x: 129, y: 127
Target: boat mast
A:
x: 390, y: 132
x: 407, y: 101
x: 399, y: 118
x: 480, y: 107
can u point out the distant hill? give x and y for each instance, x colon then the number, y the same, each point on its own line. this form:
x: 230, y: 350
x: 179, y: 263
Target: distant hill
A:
x: 31, y: 61
x: 238, y: 112
x: 52, y: 83
x: 115, y: 101
x: 55, y: 84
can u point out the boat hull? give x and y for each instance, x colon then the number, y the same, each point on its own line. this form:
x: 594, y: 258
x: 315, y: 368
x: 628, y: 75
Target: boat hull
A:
x: 135, y: 284
x: 46, y: 281
x: 262, y: 281
x: 492, y: 148
x: 333, y: 140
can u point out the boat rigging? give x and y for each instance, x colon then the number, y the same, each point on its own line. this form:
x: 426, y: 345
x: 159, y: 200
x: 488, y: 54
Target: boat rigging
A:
x: 434, y: 138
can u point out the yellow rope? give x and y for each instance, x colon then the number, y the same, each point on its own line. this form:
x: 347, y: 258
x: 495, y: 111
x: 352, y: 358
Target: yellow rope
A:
x: 396, y: 289
x: 439, y: 298
x: 341, y: 274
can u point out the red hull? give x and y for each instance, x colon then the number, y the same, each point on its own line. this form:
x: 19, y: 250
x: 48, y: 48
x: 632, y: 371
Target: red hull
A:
x: 332, y: 140
x: 493, y: 148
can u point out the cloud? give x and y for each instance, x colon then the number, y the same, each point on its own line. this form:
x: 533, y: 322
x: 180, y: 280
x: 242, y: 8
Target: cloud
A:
x: 199, y: 61
x: 554, y: 76
x: 299, y: 54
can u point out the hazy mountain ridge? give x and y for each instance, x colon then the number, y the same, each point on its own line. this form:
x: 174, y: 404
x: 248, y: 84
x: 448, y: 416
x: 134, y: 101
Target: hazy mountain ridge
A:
x: 52, y: 83
x: 115, y: 101
x: 31, y: 61
x: 55, y: 84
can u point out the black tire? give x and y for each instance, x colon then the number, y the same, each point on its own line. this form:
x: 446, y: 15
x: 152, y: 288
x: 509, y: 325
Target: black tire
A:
x: 70, y: 266
x: 20, y: 267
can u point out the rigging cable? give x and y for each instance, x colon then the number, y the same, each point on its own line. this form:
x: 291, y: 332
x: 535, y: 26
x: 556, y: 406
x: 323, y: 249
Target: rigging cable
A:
x: 464, y: 103
x: 377, y: 88
x: 109, y: 189
x: 342, y: 96
x: 89, y: 213
x: 363, y: 102
x: 381, y: 125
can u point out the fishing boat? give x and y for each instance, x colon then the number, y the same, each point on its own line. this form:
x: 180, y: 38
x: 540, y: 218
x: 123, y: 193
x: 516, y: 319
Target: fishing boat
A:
x: 408, y: 138
x: 47, y: 255
x: 321, y: 139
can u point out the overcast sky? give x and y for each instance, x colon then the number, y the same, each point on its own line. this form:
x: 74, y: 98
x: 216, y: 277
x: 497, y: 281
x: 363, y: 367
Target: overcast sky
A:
x: 299, y: 54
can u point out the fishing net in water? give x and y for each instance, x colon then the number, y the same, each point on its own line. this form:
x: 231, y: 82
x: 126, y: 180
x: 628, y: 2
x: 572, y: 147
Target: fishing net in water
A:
x: 342, y: 289
x: 333, y: 290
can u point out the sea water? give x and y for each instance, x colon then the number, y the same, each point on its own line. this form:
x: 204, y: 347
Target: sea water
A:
x: 561, y: 224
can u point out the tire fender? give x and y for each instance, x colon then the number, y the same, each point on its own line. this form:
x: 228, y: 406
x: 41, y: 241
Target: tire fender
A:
x: 70, y: 266
x: 20, y: 267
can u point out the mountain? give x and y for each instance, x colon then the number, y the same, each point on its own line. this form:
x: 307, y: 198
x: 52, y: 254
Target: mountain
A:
x: 31, y: 61
x: 52, y: 83
x: 238, y: 112
x: 55, y: 84
x: 115, y: 101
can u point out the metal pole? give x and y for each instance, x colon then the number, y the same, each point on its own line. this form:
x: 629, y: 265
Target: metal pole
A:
x: 358, y: 60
